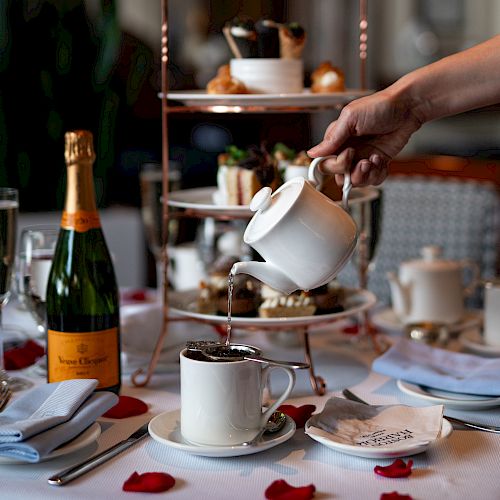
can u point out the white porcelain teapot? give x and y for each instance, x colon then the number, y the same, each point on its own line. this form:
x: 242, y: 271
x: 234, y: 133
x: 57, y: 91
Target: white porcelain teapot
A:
x: 304, y: 237
x: 431, y: 289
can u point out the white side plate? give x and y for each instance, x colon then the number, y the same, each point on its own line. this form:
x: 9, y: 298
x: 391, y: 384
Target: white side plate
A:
x: 404, y: 449
x: 449, y: 399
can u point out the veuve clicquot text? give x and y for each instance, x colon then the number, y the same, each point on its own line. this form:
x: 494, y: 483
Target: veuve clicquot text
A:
x: 83, y: 324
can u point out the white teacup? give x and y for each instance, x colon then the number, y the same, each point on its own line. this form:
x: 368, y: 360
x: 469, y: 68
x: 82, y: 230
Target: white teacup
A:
x: 492, y: 313
x: 221, y: 401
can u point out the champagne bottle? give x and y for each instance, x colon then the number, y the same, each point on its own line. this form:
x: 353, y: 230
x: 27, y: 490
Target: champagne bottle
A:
x: 83, y: 325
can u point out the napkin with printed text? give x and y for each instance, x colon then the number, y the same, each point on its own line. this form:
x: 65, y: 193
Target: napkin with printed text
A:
x: 388, y: 426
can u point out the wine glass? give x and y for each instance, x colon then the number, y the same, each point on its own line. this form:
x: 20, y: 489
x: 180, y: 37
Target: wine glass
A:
x: 9, y: 206
x: 150, y: 180
x: 367, y: 215
x: 37, y: 246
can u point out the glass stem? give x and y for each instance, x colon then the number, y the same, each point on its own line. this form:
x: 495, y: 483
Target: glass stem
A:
x: 2, y: 365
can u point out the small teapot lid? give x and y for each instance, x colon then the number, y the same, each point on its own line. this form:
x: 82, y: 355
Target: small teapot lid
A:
x: 431, y: 260
x: 270, y: 207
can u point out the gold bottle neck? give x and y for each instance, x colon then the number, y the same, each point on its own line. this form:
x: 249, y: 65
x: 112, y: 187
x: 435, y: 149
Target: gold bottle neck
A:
x: 80, y: 192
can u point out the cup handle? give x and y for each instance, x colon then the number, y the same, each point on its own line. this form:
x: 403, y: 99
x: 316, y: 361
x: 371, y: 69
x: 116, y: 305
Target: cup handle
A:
x: 286, y: 393
x: 474, y: 282
x: 316, y: 178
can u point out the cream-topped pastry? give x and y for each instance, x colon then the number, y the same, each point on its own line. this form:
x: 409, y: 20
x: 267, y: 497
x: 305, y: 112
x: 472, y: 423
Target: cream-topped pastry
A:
x: 327, y: 78
x: 287, y: 306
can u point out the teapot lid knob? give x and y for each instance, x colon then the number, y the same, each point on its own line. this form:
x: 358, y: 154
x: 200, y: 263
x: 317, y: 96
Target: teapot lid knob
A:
x: 261, y: 199
x: 431, y: 252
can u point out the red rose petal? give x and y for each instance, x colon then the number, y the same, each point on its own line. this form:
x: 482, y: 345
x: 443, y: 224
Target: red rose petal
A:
x: 394, y: 495
x: 149, y: 482
x: 23, y: 356
x: 299, y: 413
x: 127, y: 407
x: 397, y: 469
x: 281, y: 490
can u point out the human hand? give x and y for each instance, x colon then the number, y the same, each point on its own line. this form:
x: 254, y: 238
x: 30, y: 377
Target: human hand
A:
x: 369, y: 132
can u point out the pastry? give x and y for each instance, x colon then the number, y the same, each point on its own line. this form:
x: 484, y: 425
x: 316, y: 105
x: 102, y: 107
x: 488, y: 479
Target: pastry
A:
x: 244, y: 36
x: 328, y: 298
x: 241, y: 173
x: 327, y: 78
x: 206, y: 302
x: 245, y: 297
x: 213, y: 296
x: 268, y: 43
x: 292, y: 39
x: 287, y: 306
x: 224, y: 83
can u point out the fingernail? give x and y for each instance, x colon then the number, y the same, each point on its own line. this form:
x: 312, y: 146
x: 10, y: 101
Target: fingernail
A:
x: 376, y: 160
x: 365, y: 167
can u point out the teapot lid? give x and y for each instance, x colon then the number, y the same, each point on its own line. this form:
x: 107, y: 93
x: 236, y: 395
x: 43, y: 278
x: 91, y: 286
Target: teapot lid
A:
x: 270, y: 207
x: 431, y: 260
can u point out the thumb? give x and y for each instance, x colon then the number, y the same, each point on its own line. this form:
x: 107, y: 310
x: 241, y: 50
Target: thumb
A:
x: 336, y: 135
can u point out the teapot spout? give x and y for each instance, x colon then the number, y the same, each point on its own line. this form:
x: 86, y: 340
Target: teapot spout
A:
x: 400, y: 296
x: 267, y: 273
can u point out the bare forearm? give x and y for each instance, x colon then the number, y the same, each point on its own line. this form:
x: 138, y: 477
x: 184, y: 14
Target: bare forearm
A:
x: 461, y: 82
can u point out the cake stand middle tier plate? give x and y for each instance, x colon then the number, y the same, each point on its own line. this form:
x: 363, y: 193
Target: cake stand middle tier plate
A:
x: 184, y: 303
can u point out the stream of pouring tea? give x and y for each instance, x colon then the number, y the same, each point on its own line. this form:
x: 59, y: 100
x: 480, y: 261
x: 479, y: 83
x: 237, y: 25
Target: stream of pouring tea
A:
x: 230, y: 286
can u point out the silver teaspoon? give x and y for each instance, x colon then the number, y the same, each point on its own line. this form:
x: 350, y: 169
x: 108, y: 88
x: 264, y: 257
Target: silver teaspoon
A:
x: 275, y: 423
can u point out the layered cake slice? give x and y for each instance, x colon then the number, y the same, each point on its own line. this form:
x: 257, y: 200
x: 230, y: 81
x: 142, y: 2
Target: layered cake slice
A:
x: 241, y: 173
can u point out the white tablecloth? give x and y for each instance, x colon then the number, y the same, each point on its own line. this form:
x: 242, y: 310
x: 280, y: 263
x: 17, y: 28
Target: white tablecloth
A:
x: 463, y: 466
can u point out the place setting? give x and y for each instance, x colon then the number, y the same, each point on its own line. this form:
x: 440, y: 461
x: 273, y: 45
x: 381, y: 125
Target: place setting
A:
x: 222, y: 410
x: 459, y: 381
x: 52, y: 420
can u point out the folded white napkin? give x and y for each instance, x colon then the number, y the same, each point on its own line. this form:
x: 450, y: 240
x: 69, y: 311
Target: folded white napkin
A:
x: 50, y: 415
x: 388, y: 426
x: 441, y: 369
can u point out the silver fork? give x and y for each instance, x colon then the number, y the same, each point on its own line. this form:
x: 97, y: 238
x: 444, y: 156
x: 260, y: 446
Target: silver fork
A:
x: 5, y: 394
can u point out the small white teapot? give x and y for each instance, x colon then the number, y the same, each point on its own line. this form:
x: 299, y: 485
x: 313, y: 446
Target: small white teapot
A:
x: 431, y: 289
x: 304, y: 237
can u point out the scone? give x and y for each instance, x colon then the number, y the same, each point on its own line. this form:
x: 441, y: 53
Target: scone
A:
x: 327, y: 78
x: 224, y: 83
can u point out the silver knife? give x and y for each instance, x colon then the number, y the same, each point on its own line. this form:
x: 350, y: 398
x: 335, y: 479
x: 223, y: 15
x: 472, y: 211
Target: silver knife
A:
x: 78, y: 470
x: 480, y: 427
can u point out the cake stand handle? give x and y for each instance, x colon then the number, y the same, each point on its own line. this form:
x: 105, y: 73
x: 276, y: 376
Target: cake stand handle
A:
x: 318, y: 383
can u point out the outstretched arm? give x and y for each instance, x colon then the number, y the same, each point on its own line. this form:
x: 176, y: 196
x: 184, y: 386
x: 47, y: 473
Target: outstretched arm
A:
x: 377, y: 127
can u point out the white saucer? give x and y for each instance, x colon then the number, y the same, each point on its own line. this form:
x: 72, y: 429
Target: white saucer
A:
x: 88, y: 436
x: 474, y: 342
x: 166, y: 429
x: 402, y: 449
x: 449, y: 399
x: 387, y: 319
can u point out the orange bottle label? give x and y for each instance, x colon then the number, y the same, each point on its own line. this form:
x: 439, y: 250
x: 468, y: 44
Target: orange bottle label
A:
x: 83, y: 355
x: 81, y: 221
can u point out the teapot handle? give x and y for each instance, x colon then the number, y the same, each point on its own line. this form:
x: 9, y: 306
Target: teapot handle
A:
x: 316, y: 178
x: 475, y: 278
